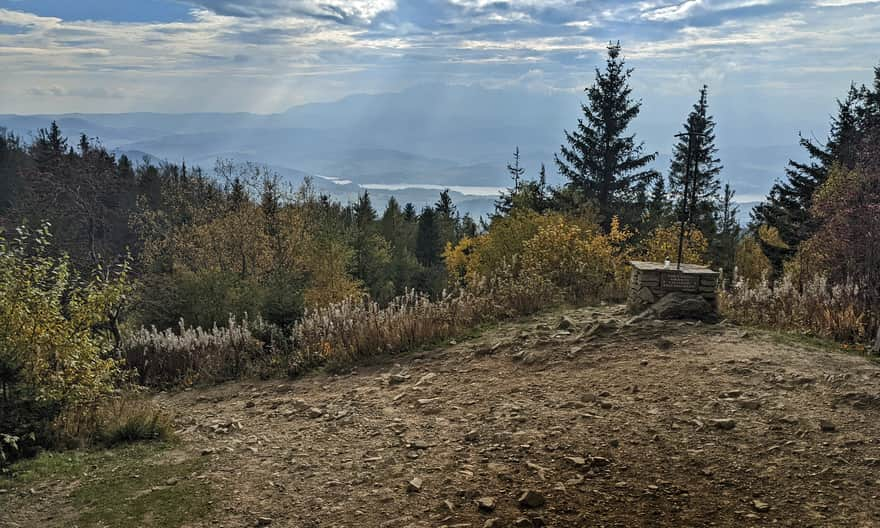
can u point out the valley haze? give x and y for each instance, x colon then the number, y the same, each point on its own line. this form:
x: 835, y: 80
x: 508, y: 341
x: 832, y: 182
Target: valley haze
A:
x: 398, y: 144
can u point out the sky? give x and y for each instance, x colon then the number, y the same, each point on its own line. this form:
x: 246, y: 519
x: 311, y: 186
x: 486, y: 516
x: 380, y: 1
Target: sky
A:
x: 268, y: 55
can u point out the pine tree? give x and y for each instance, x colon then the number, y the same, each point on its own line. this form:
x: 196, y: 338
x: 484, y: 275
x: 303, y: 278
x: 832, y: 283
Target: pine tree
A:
x: 409, y: 213
x: 237, y: 194
x: 525, y: 193
x: 787, y: 207
x: 372, y: 252
x: 364, y: 213
x: 468, y: 226
x: 703, y: 185
x: 659, y: 210
x: 723, y: 247
x: 446, y: 218
x: 400, y: 234
x: 516, y: 172
x: 601, y: 161
x: 49, y: 148
x: 429, y: 245
x: 392, y: 221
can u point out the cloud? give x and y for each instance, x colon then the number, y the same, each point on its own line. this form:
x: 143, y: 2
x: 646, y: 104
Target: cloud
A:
x: 90, y: 93
x: 845, y: 3
x: 690, y: 8
x: 265, y: 55
x: 346, y: 11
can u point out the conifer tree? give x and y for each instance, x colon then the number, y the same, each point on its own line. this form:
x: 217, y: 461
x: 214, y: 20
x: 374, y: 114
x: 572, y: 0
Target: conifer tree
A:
x: 364, y: 213
x: 372, y: 253
x: 392, y: 222
x: 429, y: 245
x: 659, y: 211
x: 237, y: 194
x: 516, y: 172
x: 723, y: 245
x: 400, y: 235
x: 446, y: 218
x: 601, y: 161
x: 703, y: 184
x: 409, y: 213
x: 787, y: 206
x: 525, y: 193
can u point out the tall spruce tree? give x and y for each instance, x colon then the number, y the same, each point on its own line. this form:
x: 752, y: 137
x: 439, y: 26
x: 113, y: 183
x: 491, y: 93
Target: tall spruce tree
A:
x: 697, y: 145
x: 372, y: 253
x: 723, y: 247
x: 447, y: 218
x: 787, y: 207
x: 429, y: 244
x: 659, y: 210
x: 600, y: 160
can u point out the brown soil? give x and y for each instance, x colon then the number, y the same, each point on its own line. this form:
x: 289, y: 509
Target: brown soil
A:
x: 649, y: 424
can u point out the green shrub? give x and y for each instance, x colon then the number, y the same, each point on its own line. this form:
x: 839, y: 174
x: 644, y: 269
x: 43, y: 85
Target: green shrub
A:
x: 51, y: 353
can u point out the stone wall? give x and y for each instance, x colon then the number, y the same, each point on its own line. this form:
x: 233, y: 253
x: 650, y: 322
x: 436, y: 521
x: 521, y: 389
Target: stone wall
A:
x: 648, y: 286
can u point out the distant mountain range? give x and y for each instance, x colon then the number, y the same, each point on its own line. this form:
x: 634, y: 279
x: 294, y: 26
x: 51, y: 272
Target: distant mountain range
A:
x: 430, y: 135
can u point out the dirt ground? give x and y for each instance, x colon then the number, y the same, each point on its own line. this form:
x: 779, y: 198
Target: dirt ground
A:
x: 565, y: 420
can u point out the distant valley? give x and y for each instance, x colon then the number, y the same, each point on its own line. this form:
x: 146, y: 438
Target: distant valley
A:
x: 399, y: 143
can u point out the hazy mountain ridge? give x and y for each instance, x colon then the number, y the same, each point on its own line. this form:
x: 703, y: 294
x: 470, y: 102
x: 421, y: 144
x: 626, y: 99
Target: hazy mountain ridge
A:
x: 429, y: 134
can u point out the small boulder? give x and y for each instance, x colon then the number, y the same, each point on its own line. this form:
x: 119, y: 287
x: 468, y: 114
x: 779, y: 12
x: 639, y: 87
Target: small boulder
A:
x: 531, y: 499
x: 760, y: 506
x: 827, y: 427
x: 565, y: 323
x: 680, y: 305
x: 397, y: 379
x: 486, y: 504
x: 725, y: 424
x: 414, y: 485
x: 577, y: 461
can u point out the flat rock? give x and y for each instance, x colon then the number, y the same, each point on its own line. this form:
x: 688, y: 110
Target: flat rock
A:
x: 414, y: 485
x: 725, y: 424
x: 577, y: 461
x: 760, y: 506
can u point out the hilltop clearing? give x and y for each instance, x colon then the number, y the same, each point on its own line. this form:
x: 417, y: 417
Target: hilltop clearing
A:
x: 569, y: 419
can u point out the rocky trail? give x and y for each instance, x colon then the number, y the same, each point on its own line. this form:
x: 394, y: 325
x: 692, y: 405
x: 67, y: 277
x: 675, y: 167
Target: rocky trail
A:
x: 568, y: 419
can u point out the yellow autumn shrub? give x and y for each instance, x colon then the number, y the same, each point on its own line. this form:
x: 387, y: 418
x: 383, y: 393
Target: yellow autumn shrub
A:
x: 662, y: 243
x: 752, y: 265
x: 571, y: 253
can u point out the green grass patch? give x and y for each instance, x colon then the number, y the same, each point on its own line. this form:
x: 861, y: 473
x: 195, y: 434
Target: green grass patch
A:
x: 136, y: 485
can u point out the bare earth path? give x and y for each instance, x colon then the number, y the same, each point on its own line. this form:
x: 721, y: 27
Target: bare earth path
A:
x: 650, y: 424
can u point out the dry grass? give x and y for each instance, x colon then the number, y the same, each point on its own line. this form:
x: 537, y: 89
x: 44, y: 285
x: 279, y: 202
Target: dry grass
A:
x: 354, y: 330
x: 193, y: 355
x: 124, y: 418
x: 334, y: 336
x: 816, y: 308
